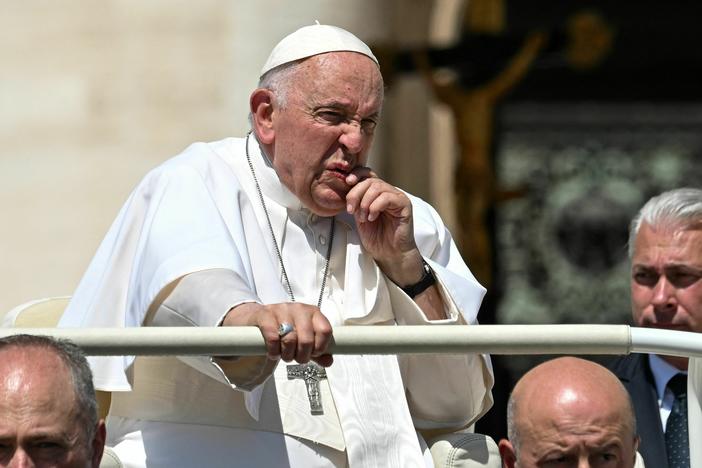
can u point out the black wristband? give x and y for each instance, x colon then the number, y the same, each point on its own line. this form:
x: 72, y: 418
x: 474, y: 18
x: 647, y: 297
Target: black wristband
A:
x: 420, y: 286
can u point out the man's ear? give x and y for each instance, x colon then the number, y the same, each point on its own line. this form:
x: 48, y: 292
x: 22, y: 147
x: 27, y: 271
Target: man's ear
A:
x: 509, y: 458
x: 98, y: 443
x: 261, y: 102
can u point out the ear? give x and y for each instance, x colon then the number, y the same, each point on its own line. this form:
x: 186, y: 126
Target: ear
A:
x: 509, y: 459
x: 98, y: 443
x: 261, y: 103
x: 637, y: 441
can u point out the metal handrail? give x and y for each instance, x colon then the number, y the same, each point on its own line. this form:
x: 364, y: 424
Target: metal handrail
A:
x: 447, y: 339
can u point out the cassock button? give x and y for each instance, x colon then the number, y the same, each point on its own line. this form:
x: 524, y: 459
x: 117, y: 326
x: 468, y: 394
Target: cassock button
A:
x: 322, y: 240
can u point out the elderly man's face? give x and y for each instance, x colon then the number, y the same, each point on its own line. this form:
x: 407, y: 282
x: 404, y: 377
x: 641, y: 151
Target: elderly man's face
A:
x: 575, y: 434
x: 326, y: 128
x: 666, y: 273
x: 39, y: 420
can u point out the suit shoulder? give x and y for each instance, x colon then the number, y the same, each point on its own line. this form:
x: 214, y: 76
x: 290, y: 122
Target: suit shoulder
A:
x: 626, y: 367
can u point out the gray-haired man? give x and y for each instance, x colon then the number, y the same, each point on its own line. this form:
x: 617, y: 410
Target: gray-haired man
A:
x: 48, y: 411
x: 665, y: 246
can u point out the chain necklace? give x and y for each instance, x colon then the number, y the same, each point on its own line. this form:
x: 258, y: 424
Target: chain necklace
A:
x: 275, y: 242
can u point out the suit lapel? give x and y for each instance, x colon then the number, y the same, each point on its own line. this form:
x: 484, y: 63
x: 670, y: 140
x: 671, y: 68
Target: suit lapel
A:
x: 635, y: 374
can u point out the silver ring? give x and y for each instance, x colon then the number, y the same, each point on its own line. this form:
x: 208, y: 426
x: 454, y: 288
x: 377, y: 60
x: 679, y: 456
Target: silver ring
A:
x: 284, y: 329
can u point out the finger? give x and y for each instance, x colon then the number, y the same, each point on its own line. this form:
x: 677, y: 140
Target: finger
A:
x: 322, y: 334
x: 353, y: 198
x: 268, y: 324
x: 360, y: 173
x: 394, y: 203
x: 361, y: 194
x: 325, y: 360
x: 305, y: 338
x: 369, y: 192
x: 288, y: 343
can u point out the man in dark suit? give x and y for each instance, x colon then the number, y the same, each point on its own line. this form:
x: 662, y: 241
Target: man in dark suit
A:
x: 665, y: 247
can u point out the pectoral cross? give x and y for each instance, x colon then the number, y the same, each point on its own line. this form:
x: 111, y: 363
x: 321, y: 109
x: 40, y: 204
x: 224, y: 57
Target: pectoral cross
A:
x: 311, y: 374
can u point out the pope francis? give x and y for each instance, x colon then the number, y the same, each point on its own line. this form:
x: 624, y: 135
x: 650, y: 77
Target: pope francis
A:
x: 288, y: 230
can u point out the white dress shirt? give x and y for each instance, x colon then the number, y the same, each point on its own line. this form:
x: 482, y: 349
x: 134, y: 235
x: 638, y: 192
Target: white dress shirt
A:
x: 662, y: 373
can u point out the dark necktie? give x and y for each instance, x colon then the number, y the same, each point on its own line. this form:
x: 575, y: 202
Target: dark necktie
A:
x: 676, y: 438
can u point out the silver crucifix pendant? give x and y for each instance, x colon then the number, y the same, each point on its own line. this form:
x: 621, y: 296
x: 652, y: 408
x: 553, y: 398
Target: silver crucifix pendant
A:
x: 311, y: 374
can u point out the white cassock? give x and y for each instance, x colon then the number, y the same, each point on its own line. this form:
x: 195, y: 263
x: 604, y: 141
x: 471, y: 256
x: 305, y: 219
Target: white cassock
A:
x: 195, y: 223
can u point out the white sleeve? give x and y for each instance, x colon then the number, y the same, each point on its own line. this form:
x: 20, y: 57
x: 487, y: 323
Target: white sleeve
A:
x: 443, y: 391
x: 203, y: 298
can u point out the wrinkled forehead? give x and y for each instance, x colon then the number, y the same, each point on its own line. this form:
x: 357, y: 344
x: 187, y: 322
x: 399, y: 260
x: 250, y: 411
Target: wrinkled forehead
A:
x: 678, y: 240
x: 24, y: 368
x: 565, y: 427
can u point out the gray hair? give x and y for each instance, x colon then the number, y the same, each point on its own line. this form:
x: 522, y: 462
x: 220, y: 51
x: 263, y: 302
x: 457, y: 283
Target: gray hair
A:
x: 72, y: 356
x: 677, y: 208
x: 278, y: 80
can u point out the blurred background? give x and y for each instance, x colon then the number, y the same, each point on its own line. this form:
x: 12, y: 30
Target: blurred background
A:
x: 537, y: 129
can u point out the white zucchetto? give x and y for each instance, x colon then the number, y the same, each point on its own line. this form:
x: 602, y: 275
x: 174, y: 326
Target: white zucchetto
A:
x: 312, y: 40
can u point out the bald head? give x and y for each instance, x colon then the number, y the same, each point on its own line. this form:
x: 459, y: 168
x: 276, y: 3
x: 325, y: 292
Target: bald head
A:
x: 570, y: 384
x: 569, y: 407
